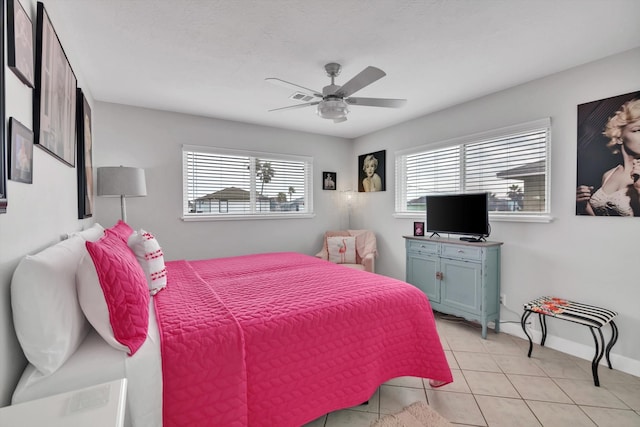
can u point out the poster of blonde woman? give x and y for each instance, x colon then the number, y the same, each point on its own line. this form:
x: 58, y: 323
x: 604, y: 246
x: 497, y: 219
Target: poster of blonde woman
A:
x: 372, y: 172
x: 329, y: 180
x: 608, y: 169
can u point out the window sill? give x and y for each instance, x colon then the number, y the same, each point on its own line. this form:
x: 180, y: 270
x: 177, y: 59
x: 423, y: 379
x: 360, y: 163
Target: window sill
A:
x: 546, y: 218
x: 195, y: 218
x: 492, y: 217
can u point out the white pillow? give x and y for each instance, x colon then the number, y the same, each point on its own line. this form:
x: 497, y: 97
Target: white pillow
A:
x: 95, y: 232
x: 47, y: 317
x: 150, y: 256
x: 342, y: 249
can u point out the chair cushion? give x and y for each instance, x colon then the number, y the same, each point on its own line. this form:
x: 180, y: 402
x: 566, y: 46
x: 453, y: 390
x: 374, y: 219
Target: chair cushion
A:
x: 355, y: 266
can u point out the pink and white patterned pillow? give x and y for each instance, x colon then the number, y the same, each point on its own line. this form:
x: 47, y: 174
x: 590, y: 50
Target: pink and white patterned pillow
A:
x: 113, y: 293
x: 151, y: 258
x: 342, y: 249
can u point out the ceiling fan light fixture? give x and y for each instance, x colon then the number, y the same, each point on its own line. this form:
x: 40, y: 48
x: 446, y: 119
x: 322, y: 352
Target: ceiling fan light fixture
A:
x: 333, y: 109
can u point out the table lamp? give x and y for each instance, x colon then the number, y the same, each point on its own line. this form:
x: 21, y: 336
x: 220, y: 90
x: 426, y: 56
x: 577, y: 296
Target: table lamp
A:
x: 121, y: 181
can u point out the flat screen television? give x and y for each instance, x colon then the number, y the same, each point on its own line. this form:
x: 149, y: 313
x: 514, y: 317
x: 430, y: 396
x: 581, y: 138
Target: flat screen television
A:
x: 465, y: 213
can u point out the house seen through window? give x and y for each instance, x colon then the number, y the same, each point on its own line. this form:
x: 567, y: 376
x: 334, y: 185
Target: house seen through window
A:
x: 232, y: 183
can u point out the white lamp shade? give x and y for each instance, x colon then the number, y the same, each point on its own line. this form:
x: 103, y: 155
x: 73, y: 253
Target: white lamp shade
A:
x: 121, y: 181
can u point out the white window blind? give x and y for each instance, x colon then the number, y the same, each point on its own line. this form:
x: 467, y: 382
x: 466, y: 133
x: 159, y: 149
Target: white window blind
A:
x: 431, y: 172
x: 511, y: 164
x: 223, y: 183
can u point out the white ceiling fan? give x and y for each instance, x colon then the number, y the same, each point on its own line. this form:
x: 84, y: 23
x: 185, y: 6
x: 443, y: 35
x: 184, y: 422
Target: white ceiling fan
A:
x: 333, y: 103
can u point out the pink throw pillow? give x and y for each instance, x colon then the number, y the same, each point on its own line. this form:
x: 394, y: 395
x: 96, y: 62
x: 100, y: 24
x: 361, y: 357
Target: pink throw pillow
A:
x: 113, y: 292
x: 122, y: 229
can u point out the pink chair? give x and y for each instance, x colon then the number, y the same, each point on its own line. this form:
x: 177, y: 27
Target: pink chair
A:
x: 366, y: 250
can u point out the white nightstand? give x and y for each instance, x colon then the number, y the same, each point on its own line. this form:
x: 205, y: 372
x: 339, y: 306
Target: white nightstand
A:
x: 97, y: 406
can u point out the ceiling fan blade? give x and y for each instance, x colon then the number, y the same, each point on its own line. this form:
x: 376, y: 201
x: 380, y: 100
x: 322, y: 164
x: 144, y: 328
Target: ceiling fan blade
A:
x: 365, y: 78
x: 343, y: 119
x: 289, y: 85
x: 377, y: 102
x: 293, y: 107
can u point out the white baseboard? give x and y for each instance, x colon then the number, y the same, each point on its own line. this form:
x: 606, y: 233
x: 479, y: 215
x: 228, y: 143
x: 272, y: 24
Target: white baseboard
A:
x: 621, y: 363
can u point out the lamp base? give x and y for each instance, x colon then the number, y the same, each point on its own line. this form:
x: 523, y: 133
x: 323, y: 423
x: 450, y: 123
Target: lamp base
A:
x: 123, y: 209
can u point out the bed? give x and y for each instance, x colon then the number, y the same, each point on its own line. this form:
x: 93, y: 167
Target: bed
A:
x: 274, y: 339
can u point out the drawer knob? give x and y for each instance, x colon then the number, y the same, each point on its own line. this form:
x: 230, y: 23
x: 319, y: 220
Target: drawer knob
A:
x: 460, y: 251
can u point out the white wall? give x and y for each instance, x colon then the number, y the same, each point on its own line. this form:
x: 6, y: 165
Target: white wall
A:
x: 583, y: 258
x: 153, y: 140
x: 37, y: 214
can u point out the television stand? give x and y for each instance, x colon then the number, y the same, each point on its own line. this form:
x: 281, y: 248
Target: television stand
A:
x: 459, y: 278
x: 472, y: 239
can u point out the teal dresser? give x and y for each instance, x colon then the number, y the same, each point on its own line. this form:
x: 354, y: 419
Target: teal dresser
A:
x: 460, y: 278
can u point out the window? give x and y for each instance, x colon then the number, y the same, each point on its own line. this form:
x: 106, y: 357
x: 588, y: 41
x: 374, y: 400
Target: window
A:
x: 231, y: 184
x: 511, y: 164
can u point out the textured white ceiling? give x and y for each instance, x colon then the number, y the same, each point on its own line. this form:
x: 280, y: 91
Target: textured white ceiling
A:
x: 210, y: 57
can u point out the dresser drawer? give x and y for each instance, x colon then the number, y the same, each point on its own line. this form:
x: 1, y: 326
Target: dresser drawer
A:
x: 461, y: 252
x: 422, y: 246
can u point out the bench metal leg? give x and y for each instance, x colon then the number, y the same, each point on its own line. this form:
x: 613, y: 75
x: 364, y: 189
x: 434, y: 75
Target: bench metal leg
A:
x: 614, y: 338
x: 599, y: 340
x: 523, y: 323
x: 543, y: 326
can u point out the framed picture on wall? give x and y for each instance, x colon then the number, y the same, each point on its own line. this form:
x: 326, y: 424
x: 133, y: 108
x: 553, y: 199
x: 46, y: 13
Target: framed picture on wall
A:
x: 371, y: 173
x: 606, y: 171
x: 20, y: 152
x: 54, y: 106
x: 84, y: 166
x: 20, y: 42
x: 3, y: 170
x: 329, y: 180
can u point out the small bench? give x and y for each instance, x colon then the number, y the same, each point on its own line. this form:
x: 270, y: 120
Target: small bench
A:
x: 593, y: 317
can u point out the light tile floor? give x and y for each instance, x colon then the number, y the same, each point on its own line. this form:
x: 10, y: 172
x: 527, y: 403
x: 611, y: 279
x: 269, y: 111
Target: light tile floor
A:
x: 496, y: 384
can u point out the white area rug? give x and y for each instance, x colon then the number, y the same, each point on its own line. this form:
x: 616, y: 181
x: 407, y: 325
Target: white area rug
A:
x: 418, y: 414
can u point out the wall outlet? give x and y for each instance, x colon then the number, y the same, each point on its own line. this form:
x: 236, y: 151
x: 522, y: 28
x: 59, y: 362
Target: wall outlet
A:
x: 503, y: 299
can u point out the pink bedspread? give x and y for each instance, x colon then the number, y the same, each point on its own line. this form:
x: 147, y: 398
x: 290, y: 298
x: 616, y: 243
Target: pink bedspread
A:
x: 280, y: 339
